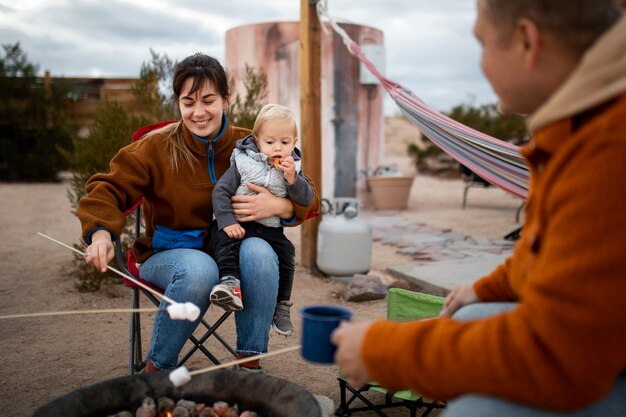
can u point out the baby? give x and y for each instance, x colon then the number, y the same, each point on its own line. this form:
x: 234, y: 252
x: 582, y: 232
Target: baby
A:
x: 268, y: 158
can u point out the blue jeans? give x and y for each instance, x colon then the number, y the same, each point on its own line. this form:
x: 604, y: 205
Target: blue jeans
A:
x: 474, y: 405
x: 189, y: 275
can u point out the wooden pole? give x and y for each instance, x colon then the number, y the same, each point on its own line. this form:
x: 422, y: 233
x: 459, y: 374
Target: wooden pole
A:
x: 47, y: 88
x: 310, y: 118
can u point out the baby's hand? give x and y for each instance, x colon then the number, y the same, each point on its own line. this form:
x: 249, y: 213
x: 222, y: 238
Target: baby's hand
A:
x: 235, y: 231
x: 288, y: 166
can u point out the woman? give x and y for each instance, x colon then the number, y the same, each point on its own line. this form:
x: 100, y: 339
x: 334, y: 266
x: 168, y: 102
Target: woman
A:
x: 174, y: 169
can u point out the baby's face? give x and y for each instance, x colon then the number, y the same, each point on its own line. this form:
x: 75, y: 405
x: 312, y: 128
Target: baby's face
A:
x: 276, y: 139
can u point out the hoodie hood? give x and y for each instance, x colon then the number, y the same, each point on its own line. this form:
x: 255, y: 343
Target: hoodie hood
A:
x: 600, y: 77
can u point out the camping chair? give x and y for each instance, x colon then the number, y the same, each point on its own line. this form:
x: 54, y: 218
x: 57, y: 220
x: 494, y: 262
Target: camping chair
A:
x: 470, y: 179
x: 402, y: 305
x: 128, y: 265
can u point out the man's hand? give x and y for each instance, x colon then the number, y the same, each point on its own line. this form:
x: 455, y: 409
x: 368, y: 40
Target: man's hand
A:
x: 101, y: 251
x: 288, y: 166
x: 348, y: 338
x: 264, y: 204
x: 235, y: 231
x: 460, y: 296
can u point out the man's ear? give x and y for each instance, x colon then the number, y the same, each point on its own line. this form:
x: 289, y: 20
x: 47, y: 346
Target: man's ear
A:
x: 225, y: 103
x: 530, y: 41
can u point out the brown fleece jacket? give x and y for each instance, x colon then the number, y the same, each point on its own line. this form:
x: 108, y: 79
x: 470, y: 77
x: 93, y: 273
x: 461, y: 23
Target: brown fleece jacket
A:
x: 564, y: 345
x: 178, y: 200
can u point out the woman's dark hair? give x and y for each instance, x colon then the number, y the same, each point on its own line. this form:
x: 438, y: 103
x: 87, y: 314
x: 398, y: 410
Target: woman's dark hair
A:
x: 201, y: 68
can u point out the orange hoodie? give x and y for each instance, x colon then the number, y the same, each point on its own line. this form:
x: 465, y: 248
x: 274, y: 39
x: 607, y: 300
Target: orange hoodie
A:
x: 564, y: 345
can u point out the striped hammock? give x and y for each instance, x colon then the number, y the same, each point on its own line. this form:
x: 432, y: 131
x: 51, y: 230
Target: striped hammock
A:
x: 498, y: 162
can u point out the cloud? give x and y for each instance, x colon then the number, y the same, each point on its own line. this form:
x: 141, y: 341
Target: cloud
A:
x: 429, y: 45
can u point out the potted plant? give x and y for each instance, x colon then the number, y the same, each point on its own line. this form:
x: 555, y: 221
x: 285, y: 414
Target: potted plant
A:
x: 390, y: 189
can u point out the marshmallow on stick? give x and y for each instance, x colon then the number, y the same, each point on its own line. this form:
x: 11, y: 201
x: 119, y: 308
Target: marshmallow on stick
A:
x: 180, y: 376
x: 183, y: 311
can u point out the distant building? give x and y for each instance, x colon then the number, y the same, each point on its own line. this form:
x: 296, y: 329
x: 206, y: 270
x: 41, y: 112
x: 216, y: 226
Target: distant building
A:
x: 87, y: 94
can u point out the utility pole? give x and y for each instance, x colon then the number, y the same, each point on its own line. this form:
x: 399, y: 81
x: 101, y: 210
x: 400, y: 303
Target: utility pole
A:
x: 310, y: 118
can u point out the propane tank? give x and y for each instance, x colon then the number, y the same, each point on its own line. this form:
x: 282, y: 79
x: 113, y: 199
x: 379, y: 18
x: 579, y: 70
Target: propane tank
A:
x: 344, y: 241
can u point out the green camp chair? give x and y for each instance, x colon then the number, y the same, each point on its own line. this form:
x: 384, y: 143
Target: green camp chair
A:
x: 402, y: 305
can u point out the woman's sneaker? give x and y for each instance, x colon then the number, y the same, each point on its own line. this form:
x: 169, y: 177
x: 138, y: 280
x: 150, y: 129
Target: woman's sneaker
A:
x: 227, y: 294
x: 282, y: 322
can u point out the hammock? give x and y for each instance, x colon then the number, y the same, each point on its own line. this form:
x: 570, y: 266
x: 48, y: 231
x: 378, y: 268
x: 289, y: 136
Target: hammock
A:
x: 498, y: 162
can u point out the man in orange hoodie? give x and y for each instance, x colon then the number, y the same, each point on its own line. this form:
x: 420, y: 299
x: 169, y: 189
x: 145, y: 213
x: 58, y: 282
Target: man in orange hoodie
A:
x: 545, y: 332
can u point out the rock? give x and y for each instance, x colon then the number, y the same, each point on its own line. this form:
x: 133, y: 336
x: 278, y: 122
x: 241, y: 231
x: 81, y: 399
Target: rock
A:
x: 189, y: 405
x: 165, y: 405
x: 405, y: 284
x: 147, y: 408
x: 208, y: 412
x: 180, y: 412
x: 364, y: 288
x: 220, y: 407
x: 326, y: 404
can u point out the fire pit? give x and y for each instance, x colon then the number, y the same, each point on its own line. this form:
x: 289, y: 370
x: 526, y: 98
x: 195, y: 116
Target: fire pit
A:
x: 266, y: 395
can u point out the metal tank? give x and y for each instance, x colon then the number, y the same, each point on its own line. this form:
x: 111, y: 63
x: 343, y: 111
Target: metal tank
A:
x: 344, y: 241
x: 351, y: 99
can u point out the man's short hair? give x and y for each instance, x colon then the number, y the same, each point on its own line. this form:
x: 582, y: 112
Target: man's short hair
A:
x: 575, y: 24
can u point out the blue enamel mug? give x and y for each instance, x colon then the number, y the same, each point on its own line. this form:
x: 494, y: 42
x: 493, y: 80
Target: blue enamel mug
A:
x: 318, y: 323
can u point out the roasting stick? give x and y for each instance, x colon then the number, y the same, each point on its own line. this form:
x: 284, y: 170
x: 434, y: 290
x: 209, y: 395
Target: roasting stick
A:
x: 118, y: 272
x: 181, y: 376
x: 176, y: 310
x: 62, y: 313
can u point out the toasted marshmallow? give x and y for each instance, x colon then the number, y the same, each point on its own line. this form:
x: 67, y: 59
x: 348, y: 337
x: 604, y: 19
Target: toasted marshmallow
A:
x: 180, y: 376
x: 192, y: 311
x: 183, y: 311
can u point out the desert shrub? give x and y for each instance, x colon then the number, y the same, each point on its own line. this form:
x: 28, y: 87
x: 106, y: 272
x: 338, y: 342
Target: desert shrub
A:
x: 243, y: 110
x: 430, y: 159
x: 113, y: 128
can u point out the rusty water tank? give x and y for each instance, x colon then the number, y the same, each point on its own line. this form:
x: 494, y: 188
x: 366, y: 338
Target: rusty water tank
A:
x: 352, y: 103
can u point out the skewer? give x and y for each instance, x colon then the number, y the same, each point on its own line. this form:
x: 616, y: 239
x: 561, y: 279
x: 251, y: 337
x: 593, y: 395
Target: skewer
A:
x: 176, y: 310
x: 62, y: 313
x: 182, y: 375
x: 118, y: 272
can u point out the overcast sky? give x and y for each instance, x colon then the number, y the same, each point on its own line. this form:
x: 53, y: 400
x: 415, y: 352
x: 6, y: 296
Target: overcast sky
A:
x: 429, y: 45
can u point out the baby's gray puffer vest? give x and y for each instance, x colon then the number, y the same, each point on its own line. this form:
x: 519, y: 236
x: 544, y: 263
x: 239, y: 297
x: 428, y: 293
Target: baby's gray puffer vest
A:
x: 253, y: 167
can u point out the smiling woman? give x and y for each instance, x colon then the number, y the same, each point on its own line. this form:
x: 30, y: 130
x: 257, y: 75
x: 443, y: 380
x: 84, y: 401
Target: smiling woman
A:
x: 174, y: 170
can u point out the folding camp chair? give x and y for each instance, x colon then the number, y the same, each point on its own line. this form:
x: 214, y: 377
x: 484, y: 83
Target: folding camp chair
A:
x: 128, y: 266
x: 402, y: 305
x: 470, y: 179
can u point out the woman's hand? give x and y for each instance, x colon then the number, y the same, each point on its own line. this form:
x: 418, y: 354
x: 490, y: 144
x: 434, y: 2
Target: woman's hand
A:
x: 101, y: 251
x: 235, y: 231
x: 460, y: 296
x: 348, y: 338
x: 264, y: 204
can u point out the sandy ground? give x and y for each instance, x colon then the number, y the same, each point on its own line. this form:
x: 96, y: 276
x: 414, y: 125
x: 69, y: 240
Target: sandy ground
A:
x: 44, y: 358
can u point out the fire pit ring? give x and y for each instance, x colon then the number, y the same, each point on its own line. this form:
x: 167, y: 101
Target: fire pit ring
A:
x: 268, y: 396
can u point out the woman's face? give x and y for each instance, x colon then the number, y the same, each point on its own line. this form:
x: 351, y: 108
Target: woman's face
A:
x: 202, y: 110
